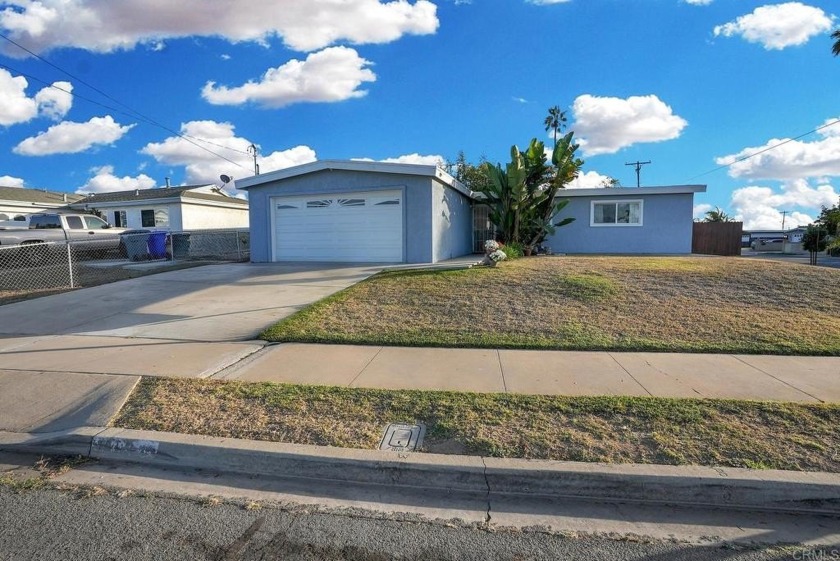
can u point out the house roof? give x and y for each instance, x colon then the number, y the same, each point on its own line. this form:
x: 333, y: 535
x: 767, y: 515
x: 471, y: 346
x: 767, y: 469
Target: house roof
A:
x: 40, y: 196
x: 161, y: 193
x: 354, y: 165
x: 632, y: 191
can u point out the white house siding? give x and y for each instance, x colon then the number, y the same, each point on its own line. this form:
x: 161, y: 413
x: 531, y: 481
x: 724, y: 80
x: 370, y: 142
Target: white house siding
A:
x: 209, y: 217
x: 134, y: 218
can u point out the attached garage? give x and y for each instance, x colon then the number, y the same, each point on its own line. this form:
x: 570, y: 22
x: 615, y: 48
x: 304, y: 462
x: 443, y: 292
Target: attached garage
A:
x: 358, y: 211
x: 354, y: 226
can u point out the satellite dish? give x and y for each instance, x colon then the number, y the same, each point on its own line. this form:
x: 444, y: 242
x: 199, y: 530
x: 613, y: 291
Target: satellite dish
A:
x: 225, y: 179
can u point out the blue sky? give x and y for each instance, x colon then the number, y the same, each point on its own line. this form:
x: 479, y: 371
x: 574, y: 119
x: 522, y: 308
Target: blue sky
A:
x: 690, y: 85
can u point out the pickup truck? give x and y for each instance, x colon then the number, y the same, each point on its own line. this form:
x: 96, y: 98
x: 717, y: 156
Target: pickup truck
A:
x: 45, y: 228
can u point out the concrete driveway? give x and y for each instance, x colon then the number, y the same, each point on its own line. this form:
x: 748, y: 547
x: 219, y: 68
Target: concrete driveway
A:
x: 71, y: 360
x: 224, y: 302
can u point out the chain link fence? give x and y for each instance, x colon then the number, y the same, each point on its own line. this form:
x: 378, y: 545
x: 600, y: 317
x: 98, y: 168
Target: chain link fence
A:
x: 45, y: 268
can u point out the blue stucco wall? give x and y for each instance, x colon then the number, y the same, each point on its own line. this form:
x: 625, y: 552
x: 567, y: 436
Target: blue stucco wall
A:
x: 452, y: 223
x: 667, y: 227
x: 417, y: 207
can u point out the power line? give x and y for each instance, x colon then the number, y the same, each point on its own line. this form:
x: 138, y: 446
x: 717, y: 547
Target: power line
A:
x: 134, y: 113
x: 767, y: 149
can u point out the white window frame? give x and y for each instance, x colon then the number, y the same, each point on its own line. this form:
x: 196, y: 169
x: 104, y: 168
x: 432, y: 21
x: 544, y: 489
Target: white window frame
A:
x: 616, y: 202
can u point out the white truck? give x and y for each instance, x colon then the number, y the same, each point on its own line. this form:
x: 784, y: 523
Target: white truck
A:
x: 91, y: 232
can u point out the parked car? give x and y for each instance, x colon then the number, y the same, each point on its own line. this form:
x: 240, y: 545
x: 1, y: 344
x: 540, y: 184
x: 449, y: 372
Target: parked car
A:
x: 768, y: 244
x: 92, y: 234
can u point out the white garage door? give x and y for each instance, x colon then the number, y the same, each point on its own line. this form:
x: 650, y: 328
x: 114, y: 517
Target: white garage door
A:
x: 355, y: 227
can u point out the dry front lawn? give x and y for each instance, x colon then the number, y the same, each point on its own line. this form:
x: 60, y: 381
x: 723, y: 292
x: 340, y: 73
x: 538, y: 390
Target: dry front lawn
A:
x: 591, y: 429
x: 691, y: 304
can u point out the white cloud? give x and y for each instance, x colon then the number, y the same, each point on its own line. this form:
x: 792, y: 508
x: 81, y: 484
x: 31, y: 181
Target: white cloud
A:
x: 205, y: 167
x: 760, y: 207
x: 778, y: 26
x: 605, y: 125
x: 16, y: 107
x: 589, y: 180
x: 415, y: 158
x: 9, y: 181
x: 333, y: 74
x: 699, y: 211
x: 104, y: 181
x: 55, y: 102
x: 106, y: 25
x: 698, y: 2
x: 546, y: 2
x: 71, y: 138
x: 793, y: 160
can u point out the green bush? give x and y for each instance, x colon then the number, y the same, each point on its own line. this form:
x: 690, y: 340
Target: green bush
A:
x: 513, y: 250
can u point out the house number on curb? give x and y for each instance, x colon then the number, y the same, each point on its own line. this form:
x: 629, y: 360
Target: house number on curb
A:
x: 402, y: 438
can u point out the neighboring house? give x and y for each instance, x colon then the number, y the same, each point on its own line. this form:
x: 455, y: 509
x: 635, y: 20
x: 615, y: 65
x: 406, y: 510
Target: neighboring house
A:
x: 353, y: 211
x: 188, y: 207
x: 627, y: 220
x: 18, y: 203
x: 358, y: 211
x: 794, y: 235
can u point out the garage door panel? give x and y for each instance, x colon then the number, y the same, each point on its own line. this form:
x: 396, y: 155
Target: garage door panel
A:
x: 363, y: 226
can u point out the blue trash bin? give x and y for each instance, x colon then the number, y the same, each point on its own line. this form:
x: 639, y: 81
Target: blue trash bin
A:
x: 157, y: 245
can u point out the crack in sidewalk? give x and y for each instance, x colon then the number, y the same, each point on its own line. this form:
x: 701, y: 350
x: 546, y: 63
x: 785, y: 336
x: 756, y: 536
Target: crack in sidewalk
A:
x: 487, y: 516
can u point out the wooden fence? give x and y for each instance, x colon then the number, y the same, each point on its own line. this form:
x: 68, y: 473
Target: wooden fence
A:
x: 717, y: 238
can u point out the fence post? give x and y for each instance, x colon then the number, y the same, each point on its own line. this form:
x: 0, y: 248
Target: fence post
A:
x: 238, y: 250
x: 70, y: 264
x: 172, y: 246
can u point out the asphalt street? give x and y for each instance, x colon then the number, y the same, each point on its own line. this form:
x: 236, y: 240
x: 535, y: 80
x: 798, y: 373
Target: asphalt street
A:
x: 94, y: 525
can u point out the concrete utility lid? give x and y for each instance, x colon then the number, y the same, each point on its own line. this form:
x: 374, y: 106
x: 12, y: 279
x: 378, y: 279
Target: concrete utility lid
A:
x: 402, y: 438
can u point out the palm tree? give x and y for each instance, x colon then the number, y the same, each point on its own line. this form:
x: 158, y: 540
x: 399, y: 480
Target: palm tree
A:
x: 556, y: 120
x: 836, y: 48
x: 717, y: 215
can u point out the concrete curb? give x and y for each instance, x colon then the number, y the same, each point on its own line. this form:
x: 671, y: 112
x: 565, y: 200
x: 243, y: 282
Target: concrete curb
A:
x: 691, y: 485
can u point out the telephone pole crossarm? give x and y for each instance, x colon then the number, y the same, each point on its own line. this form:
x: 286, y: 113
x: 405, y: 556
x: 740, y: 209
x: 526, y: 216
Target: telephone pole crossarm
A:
x: 638, y: 166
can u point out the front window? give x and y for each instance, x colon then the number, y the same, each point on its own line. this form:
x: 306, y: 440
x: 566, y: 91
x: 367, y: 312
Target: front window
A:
x: 616, y: 213
x: 154, y: 218
x: 119, y: 219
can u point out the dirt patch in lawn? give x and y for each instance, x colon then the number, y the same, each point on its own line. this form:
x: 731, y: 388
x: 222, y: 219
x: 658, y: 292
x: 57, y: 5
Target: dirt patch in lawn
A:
x: 592, y: 429
x: 690, y: 304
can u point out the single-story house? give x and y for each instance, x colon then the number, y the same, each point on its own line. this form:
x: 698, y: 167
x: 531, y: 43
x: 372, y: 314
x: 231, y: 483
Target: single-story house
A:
x: 627, y: 220
x: 358, y: 211
x: 17, y: 203
x: 361, y: 211
x: 188, y: 207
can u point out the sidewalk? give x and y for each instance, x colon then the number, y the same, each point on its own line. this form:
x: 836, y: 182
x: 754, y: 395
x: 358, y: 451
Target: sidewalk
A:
x: 59, y: 412
x: 575, y: 373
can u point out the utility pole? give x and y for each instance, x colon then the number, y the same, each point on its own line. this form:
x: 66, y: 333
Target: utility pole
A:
x: 254, y: 151
x: 784, y: 214
x: 638, y: 171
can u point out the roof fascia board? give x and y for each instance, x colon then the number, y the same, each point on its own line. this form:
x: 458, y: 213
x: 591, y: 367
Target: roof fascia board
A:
x: 354, y: 165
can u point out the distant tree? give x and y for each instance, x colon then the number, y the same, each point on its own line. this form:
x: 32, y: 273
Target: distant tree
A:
x: 830, y: 218
x: 836, y: 48
x: 470, y: 175
x: 814, y: 240
x: 717, y: 215
x: 556, y: 121
x: 610, y: 183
